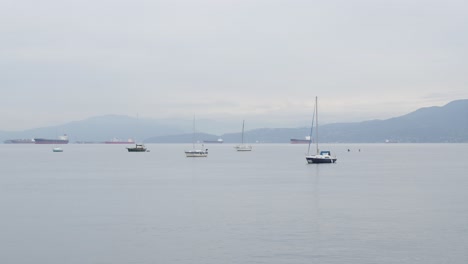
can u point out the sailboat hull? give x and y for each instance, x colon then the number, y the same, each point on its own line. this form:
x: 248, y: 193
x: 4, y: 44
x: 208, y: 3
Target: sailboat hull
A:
x: 315, y: 159
x: 243, y: 148
x: 323, y: 156
x: 196, y: 153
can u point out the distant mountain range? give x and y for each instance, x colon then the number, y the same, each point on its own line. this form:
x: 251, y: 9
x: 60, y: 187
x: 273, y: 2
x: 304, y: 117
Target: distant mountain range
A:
x: 102, y: 128
x: 448, y: 123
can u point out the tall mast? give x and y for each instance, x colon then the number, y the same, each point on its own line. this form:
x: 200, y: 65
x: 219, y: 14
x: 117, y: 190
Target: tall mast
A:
x: 316, y: 124
x: 311, y: 130
x: 243, y: 131
x: 193, y: 134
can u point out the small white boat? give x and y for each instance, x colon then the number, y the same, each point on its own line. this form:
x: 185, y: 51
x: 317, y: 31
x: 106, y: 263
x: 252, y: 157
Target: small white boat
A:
x: 57, y: 149
x: 196, y: 153
x: 242, y: 146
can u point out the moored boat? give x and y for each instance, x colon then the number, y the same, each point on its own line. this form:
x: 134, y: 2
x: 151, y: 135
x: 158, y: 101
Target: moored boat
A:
x: 323, y: 156
x: 242, y: 146
x: 194, y: 153
x: 138, y: 148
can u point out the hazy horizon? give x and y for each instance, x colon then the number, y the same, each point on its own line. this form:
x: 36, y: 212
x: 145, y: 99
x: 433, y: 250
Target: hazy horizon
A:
x: 263, y: 61
x: 185, y: 125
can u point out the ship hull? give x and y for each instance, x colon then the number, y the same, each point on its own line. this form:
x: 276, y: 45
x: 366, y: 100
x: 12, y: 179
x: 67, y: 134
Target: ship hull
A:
x: 320, y: 160
x: 50, y: 141
x: 19, y: 141
x: 299, y: 141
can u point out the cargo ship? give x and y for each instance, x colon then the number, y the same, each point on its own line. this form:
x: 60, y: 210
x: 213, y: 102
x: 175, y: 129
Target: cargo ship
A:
x: 19, y: 141
x: 118, y: 141
x: 218, y: 141
x: 61, y: 140
x: 306, y: 140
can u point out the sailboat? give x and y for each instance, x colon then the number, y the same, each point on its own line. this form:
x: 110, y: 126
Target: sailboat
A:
x: 242, y: 146
x: 323, y: 156
x: 193, y: 153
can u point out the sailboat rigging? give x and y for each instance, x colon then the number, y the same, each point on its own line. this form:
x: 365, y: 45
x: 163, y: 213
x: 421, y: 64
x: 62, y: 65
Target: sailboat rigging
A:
x: 242, y: 146
x: 323, y: 156
x: 193, y: 153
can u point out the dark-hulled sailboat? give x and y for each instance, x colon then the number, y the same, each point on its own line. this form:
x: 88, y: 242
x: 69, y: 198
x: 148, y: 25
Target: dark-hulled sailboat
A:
x: 323, y: 156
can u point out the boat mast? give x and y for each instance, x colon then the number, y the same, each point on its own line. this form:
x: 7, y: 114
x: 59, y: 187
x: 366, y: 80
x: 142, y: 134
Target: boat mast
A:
x: 316, y: 124
x: 242, y: 131
x: 193, y: 134
x: 311, y: 130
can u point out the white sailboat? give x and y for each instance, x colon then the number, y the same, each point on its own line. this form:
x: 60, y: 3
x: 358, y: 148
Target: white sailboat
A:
x: 323, y: 156
x: 194, y: 153
x: 242, y: 146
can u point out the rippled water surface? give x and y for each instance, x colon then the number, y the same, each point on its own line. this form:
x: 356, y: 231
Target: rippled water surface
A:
x: 387, y: 203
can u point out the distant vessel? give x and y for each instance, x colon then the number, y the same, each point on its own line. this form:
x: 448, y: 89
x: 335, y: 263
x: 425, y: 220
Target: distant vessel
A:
x: 138, y: 148
x: 242, y: 146
x: 61, y: 140
x: 218, y: 141
x: 118, y: 141
x: 57, y: 149
x: 306, y: 140
x: 194, y: 153
x: 87, y: 142
x: 19, y: 141
x: 323, y: 156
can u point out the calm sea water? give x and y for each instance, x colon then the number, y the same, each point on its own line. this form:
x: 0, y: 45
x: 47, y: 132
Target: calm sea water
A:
x: 387, y: 203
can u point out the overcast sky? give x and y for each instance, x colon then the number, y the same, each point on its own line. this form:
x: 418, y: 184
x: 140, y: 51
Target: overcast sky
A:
x: 263, y: 61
